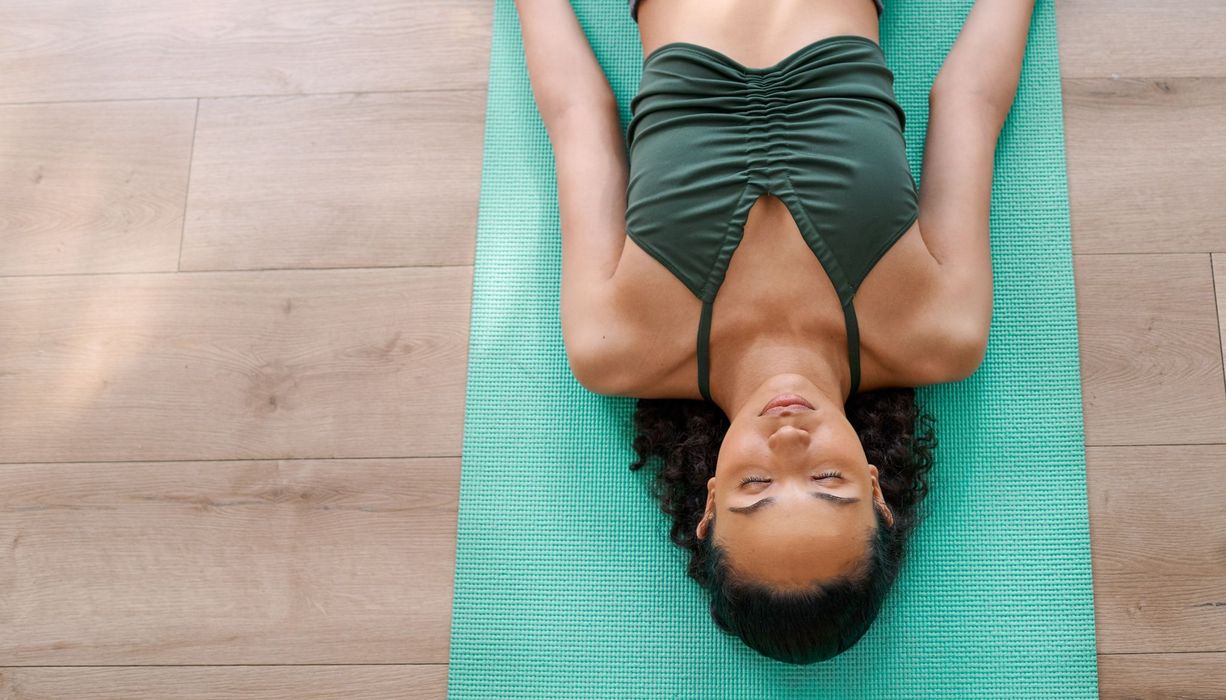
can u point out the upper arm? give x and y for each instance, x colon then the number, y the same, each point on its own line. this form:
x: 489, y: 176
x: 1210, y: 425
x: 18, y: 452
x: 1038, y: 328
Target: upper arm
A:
x: 955, y: 199
x: 590, y: 156
x: 580, y: 114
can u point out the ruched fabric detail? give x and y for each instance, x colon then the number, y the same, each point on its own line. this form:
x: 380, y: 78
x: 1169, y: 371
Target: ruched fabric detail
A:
x: 821, y: 130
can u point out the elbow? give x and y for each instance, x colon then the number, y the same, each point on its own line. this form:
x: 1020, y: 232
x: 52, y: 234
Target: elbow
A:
x: 576, y: 111
x: 991, y: 101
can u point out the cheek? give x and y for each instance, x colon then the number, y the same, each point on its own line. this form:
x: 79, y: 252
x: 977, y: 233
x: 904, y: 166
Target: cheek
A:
x: 735, y: 447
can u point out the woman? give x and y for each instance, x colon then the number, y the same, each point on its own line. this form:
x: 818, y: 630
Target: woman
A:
x: 765, y: 188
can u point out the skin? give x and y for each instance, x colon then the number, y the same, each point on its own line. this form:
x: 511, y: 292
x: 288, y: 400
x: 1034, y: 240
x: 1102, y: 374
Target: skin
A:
x: 796, y: 540
x: 755, y: 33
x: 777, y: 326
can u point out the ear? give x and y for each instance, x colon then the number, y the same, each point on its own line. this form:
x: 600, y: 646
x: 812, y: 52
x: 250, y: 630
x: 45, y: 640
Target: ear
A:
x: 879, y: 499
x: 704, y: 525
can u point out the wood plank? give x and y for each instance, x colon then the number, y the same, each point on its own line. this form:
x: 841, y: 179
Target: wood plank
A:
x: 1150, y: 350
x: 88, y: 187
x: 424, y: 682
x: 1219, y: 287
x: 1144, y: 164
x: 1154, y: 676
x: 1174, y: 38
x: 260, y: 562
x: 1158, y: 531
x: 224, y: 365
x: 335, y: 181
x: 57, y: 50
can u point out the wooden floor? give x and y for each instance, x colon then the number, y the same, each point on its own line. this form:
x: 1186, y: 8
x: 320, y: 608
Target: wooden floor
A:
x: 236, y: 246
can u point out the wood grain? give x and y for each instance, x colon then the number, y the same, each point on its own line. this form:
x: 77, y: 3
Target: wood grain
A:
x: 1162, y: 676
x: 1219, y: 287
x: 262, y: 562
x: 354, y: 180
x: 93, y: 187
x: 1135, y: 38
x: 1145, y: 164
x: 1159, y: 534
x: 424, y: 682
x: 58, y: 50
x: 283, y: 364
x: 1151, y: 358
x: 300, y: 164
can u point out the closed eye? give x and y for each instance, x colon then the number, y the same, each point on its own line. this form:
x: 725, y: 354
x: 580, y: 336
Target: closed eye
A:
x: 822, y: 495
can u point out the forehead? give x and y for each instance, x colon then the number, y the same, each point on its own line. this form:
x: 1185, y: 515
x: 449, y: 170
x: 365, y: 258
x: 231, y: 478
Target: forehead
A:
x: 798, y: 521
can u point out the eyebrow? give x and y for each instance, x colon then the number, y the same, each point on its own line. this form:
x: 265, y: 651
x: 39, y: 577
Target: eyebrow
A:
x: 840, y: 500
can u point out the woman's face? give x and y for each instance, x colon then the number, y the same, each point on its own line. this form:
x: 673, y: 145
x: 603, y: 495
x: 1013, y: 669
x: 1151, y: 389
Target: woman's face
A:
x: 793, y: 492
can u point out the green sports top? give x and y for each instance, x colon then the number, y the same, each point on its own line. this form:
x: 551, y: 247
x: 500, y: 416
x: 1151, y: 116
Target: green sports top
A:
x: 821, y: 130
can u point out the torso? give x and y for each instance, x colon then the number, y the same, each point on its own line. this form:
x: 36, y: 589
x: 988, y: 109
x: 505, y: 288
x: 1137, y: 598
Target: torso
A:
x: 775, y: 286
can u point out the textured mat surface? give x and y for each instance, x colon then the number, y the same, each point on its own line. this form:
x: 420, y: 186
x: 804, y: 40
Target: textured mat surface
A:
x: 566, y: 583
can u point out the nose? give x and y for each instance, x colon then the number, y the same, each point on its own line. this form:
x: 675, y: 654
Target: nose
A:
x: 788, y: 437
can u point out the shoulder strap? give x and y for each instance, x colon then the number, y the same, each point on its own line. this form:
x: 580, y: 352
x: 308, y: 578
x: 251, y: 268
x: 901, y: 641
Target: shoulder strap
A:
x: 853, y: 345
x: 704, y: 341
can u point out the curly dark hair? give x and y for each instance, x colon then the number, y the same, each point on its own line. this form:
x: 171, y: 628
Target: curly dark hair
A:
x: 798, y: 627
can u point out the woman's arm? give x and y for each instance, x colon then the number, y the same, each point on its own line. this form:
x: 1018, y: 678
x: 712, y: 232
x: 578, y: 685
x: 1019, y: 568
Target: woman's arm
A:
x: 968, y: 104
x: 581, y: 116
x: 561, y: 66
x: 986, y: 58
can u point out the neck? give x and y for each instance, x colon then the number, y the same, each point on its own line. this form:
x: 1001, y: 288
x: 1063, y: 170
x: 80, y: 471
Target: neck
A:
x: 768, y: 368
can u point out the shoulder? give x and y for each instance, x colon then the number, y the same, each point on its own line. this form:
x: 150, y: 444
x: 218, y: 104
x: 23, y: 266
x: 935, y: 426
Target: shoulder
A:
x: 632, y: 344
x: 606, y: 346
x: 916, y: 325
x: 940, y: 351
x: 601, y: 356
x: 625, y: 360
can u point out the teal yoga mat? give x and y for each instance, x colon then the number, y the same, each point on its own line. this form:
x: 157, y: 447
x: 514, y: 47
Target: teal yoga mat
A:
x: 566, y: 584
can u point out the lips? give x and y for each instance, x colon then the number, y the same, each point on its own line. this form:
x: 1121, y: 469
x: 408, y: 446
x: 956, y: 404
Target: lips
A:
x: 785, y: 402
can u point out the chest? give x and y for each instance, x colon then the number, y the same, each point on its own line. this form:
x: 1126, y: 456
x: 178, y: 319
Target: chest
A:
x: 776, y: 286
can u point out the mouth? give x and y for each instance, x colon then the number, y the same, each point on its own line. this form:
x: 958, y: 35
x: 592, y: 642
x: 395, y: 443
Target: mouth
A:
x: 789, y: 403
